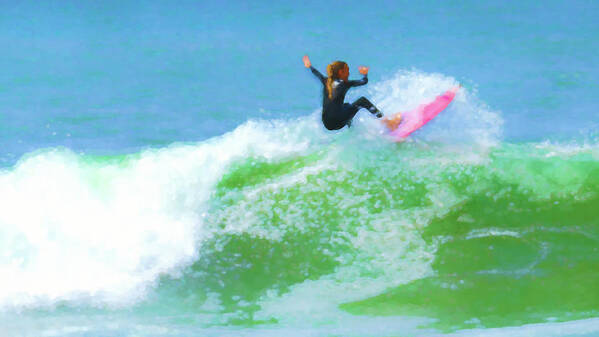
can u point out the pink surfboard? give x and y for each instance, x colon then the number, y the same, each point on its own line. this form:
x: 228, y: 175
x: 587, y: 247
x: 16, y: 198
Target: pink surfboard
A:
x: 413, y: 120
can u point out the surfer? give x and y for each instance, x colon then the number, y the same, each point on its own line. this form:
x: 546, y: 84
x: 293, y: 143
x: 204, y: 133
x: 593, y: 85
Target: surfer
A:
x: 335, y: 112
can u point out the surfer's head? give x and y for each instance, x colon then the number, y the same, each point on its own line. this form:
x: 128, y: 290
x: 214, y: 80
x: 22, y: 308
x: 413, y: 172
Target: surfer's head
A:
x: 337, y: 70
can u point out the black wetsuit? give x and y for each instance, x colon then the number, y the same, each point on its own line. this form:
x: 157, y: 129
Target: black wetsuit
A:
x: 335, y: 112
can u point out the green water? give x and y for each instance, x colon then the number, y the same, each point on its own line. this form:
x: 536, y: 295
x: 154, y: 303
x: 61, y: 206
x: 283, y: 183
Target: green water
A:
x: 521, y: 248
x: 504, y: 239
x: 456, y: 237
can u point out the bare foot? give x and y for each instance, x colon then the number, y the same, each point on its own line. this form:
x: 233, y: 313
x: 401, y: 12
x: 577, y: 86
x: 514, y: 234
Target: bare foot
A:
x: 392, y: 122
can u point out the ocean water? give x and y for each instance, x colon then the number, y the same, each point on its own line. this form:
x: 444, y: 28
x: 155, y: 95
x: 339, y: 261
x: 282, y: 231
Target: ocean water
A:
x: 164, y: 170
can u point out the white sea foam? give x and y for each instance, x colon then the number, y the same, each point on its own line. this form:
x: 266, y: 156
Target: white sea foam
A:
x: 71, y: 230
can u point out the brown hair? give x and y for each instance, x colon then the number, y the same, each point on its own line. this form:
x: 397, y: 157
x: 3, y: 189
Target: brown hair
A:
x: 333, y: 73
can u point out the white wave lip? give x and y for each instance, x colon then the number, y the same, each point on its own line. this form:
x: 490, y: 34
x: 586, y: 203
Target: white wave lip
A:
x: 102, y: 234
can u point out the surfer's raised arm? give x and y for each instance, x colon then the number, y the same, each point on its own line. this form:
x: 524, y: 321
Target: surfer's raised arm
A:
x: 316, y: 73
x: 356, y: 83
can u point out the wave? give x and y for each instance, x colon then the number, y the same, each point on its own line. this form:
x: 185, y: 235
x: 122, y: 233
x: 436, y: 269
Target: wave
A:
x: 282, y: 221
x: 106, y: 227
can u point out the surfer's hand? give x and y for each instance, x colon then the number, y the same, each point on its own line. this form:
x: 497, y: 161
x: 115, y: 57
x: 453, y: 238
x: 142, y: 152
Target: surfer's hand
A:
x: 379, y: 115
x: 363, y: 70
x: 307, y: 62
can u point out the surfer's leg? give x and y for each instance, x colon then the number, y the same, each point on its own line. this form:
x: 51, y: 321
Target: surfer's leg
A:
x: 363, y: 102
x: 349, y: 111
